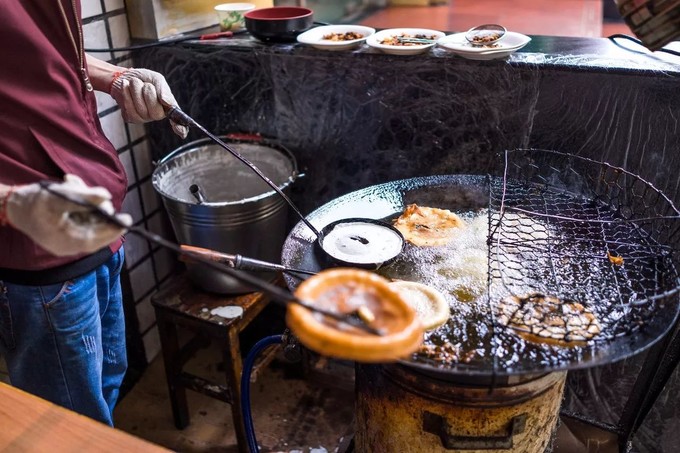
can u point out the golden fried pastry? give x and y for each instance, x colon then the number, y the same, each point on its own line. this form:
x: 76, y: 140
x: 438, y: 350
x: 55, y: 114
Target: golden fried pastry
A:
x: 548, y: 319
x: 425, y: 226
x: 365, y: 295
x: 429, y: 303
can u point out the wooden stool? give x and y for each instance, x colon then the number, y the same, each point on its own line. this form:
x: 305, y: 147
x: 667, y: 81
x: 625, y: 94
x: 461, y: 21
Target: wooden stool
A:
x: 182, y: 304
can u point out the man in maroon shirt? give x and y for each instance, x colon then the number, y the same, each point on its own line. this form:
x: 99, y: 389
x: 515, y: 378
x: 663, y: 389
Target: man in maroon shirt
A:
x: 61, y: 317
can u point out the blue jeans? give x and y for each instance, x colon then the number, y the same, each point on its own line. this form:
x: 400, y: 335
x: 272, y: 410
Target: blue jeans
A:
x: 66, y: 342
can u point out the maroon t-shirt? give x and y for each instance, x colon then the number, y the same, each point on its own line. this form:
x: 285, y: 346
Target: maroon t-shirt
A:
x: 48, y: 119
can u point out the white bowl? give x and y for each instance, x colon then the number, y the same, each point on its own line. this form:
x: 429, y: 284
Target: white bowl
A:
x: 511, y: 42
x: 375, y: 40
x: 230, y: 15
x: 315, y: 36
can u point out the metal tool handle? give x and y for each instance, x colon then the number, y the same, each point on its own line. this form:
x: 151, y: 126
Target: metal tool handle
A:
x: 416, y: 40
x: 237, y: 261
x: 219, y: 257
x: 276, y: 293
x: 251, y: 264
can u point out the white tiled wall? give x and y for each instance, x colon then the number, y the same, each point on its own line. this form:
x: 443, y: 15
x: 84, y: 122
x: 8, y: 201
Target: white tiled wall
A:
x: 105, y: 26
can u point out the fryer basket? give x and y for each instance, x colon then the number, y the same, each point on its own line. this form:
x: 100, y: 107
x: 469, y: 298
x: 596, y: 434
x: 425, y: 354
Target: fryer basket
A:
x: 586, y: 231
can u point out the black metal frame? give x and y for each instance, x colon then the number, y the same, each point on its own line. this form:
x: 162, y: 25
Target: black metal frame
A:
x: 661, y: 361
x: 663, y: 357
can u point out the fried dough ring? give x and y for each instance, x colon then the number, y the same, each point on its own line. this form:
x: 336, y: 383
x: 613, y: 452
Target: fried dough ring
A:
x: 345, y: 291
x: 423, y: 226
x: 430, y: 305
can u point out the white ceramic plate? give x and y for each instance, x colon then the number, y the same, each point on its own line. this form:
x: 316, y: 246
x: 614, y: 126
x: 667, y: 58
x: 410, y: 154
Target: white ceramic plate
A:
x: 375, y: 40
x: 511, y: 42
x: 315, y: 36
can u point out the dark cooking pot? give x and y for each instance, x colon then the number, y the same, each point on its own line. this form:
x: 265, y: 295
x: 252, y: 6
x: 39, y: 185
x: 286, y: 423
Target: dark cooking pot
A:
x: 278, y: 23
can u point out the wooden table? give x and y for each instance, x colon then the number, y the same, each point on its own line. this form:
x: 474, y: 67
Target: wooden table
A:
x: 29, y: 423
x: 181, y: 304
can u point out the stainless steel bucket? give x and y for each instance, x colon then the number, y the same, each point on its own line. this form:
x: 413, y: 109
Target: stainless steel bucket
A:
x: 241, y: 214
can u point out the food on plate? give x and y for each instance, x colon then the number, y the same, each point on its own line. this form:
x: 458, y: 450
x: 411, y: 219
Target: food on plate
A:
x: 482, y: 39
x: 542, y: 318
x: 425, y: 226
x: 348, y: 36
x: 354, y: 292
x: 429, y: 303
x: 404, y: 39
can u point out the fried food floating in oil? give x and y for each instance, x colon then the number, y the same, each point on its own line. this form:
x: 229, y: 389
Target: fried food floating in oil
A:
x: 425, y: 226
x: 548, y: 319
x: 615, y: 259
x: 429, y: 303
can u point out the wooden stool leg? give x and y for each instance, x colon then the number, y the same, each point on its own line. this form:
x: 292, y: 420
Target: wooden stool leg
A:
x: 234, y: 367
x: 173, y: 367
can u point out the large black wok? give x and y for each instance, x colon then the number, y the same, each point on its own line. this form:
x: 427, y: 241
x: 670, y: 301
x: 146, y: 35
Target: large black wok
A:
x: 498, y: 350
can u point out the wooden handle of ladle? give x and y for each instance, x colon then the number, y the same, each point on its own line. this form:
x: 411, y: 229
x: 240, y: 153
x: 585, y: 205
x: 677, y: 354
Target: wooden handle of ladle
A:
x: 219, y: 257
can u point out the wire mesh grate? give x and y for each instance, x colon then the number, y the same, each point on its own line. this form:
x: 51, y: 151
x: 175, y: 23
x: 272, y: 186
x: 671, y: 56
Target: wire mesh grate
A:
x: 583, y: 231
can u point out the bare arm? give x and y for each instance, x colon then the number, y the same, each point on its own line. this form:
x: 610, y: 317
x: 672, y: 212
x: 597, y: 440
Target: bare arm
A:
x: 101, y: 73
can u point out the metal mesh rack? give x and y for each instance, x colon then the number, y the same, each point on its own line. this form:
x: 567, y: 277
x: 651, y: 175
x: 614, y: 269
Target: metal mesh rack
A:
x: 585, y: 231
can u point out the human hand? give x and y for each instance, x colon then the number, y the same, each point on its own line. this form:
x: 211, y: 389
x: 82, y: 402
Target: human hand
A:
x: 143, y: 96
x: 60, y: 226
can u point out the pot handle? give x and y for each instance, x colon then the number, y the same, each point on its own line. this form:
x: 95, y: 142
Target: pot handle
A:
x: 439, y: 426
x: 257, y: 138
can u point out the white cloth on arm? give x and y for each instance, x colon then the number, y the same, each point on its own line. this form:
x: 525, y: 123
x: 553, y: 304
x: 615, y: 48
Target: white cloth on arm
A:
x: 60, y: 226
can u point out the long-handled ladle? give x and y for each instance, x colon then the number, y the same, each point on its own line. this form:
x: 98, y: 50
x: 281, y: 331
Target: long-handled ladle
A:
x: 178, y: 116
x: 276, y: 293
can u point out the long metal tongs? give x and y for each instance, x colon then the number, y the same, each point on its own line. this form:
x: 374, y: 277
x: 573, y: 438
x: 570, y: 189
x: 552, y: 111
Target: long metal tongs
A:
x: 276, y: 293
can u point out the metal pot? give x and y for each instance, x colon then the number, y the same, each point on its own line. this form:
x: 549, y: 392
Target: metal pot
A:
x: 239, y: 214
